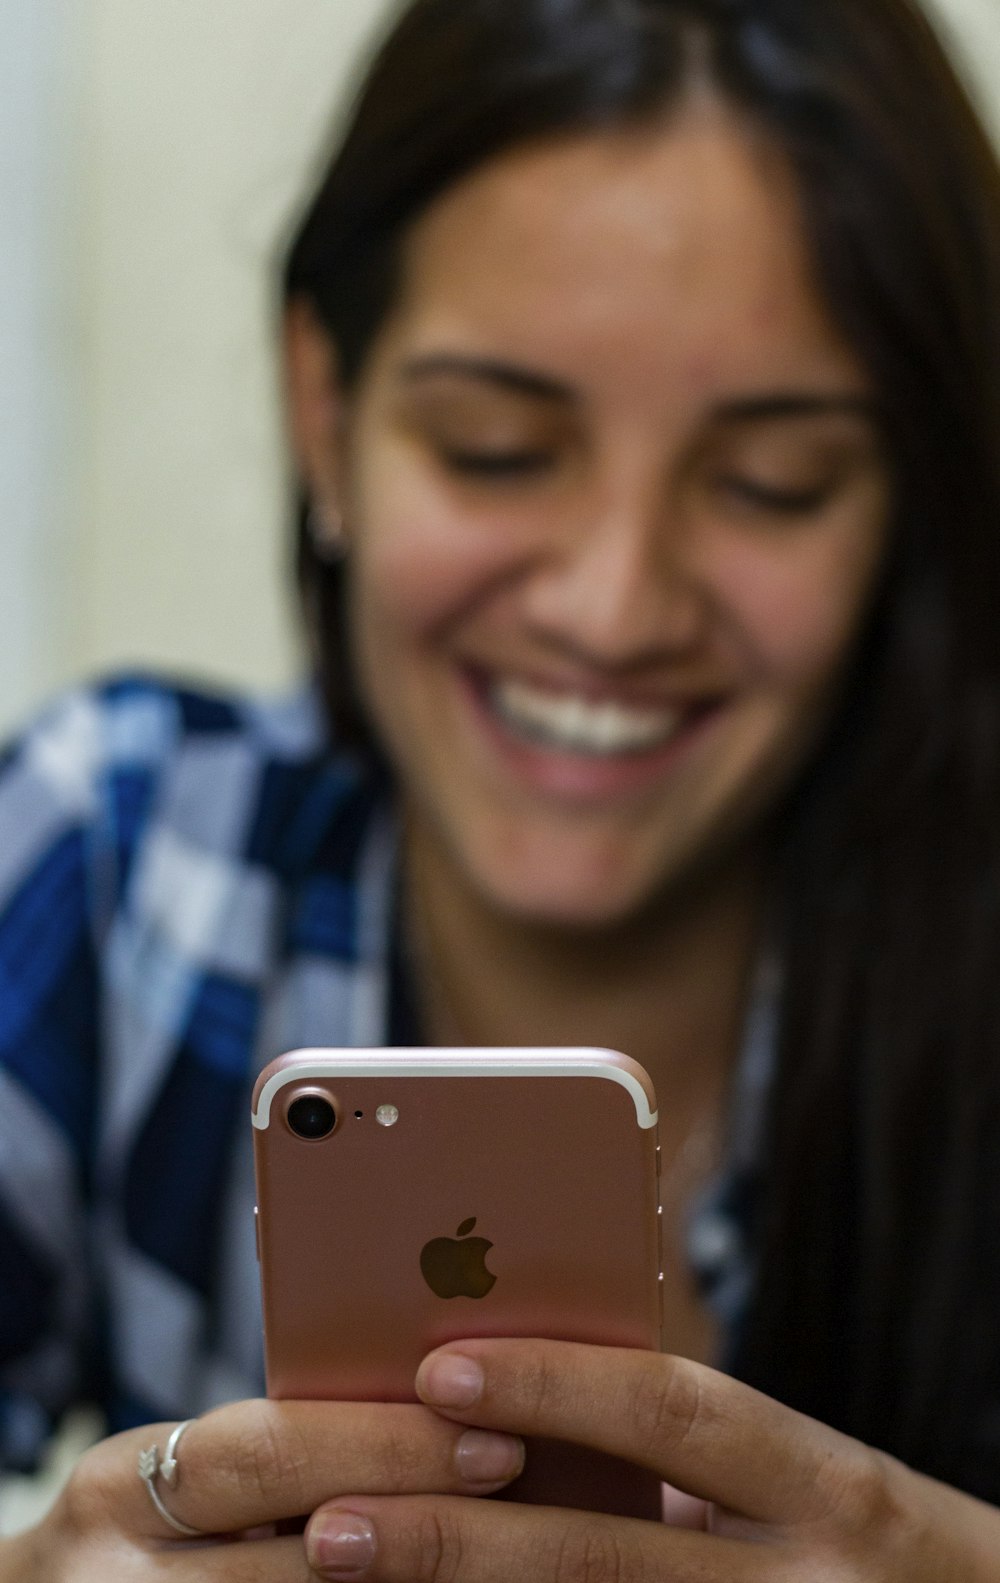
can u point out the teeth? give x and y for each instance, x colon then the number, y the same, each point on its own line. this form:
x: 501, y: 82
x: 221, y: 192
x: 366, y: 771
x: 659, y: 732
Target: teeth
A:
x: 574, y: 723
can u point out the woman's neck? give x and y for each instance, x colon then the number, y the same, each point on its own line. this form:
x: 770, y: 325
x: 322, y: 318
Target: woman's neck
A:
x: 669, y: 989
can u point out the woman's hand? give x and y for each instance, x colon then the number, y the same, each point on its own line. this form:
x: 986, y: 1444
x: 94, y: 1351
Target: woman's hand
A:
x: 788, y: 1500
x: 244, y: 1468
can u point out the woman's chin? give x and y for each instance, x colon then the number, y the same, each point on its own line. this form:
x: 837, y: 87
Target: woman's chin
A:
x: 551, y: 891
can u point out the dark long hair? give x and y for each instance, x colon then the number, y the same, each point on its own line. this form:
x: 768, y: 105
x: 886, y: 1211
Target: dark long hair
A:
x: 877, y: 1224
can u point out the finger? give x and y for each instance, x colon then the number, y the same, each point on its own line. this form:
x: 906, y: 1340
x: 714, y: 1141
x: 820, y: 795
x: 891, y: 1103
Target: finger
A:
x: 700, y: 1431
x: 427, y: 1539
x: 256, y: 1463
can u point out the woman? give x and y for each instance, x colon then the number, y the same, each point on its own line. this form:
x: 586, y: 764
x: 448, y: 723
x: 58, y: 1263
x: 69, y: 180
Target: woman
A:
x: 643, y: 380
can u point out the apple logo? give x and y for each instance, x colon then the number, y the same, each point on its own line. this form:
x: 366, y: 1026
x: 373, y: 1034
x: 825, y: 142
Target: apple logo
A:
x: 457, y: 1269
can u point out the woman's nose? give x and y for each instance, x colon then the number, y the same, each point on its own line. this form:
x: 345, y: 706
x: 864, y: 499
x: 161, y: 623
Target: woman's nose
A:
x: 622, y: 589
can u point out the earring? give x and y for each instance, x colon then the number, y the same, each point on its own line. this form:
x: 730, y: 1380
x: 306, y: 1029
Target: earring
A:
x: 327, y: 534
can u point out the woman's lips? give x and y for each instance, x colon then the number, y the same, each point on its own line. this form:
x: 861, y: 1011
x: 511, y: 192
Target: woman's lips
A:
x: 581, y: 745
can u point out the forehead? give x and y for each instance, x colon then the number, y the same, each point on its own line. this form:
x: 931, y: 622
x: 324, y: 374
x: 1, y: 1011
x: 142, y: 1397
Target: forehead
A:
x: 678, y: 243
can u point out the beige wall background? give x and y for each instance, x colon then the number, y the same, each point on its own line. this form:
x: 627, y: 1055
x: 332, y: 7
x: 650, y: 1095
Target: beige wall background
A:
x: 204, y: 121
x: 143, y: 489
x: 181, y: 136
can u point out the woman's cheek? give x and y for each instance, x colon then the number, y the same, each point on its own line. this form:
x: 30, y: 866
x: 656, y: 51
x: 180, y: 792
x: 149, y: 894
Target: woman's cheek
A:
x: 422, y: 569
x: 797, y: 615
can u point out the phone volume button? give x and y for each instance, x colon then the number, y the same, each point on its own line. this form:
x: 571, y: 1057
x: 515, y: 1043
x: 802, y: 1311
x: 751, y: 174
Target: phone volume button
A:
x: 256, y: 1231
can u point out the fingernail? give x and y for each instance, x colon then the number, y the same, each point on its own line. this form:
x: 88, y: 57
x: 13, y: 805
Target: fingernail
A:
x: 449, y: 1381
x: 340, y: 1545
x: 487, y: 1458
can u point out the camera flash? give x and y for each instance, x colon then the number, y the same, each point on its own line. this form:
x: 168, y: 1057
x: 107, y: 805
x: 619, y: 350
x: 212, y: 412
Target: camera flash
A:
x: 387, y: 1115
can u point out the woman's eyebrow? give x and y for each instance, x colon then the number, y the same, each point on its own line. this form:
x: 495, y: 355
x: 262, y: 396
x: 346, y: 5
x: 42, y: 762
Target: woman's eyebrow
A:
x: 796, y: 404
x: 492, y: 371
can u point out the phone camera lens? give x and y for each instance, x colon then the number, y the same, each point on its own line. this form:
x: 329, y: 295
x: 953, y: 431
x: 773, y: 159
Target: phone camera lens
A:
x: 311, y: 1116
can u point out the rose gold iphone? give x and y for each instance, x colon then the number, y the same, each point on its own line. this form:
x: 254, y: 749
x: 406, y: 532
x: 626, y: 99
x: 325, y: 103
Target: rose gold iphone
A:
x: 408, y: 1198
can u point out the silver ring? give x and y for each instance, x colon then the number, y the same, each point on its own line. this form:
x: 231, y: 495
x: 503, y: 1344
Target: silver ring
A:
x: 150, y: 1466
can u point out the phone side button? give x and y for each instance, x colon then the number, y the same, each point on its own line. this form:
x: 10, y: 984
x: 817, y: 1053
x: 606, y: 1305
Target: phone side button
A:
x: 256, y: 1231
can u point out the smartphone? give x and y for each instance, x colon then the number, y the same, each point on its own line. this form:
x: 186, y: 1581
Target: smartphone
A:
x: 408, y: 1198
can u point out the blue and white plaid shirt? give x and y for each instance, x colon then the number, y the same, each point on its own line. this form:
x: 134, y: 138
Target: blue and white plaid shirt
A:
x: 189, y: 886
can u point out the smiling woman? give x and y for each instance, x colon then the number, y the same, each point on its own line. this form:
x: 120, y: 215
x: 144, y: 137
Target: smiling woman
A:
x: 642, y: 368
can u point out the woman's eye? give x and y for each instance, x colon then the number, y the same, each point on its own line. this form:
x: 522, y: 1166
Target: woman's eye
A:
x: 496, y: 464
x: 783, y: 502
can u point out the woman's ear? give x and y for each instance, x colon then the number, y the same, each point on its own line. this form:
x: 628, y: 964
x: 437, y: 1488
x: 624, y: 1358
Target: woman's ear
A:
x: 315, y: 411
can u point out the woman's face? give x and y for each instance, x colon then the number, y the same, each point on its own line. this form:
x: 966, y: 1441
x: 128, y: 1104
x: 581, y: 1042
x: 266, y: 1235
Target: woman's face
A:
x: 617, y: 501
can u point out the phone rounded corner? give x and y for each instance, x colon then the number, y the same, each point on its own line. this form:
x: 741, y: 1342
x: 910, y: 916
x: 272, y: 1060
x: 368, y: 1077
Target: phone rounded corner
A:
x: 269, y: 1080
x: 633, y: 1077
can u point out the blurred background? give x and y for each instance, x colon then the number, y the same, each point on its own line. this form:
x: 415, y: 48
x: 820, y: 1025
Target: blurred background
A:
x: 152, y: 156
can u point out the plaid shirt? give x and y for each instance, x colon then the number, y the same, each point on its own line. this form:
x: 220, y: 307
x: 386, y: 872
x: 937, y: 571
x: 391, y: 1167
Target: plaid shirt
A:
x: 189, y: 886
